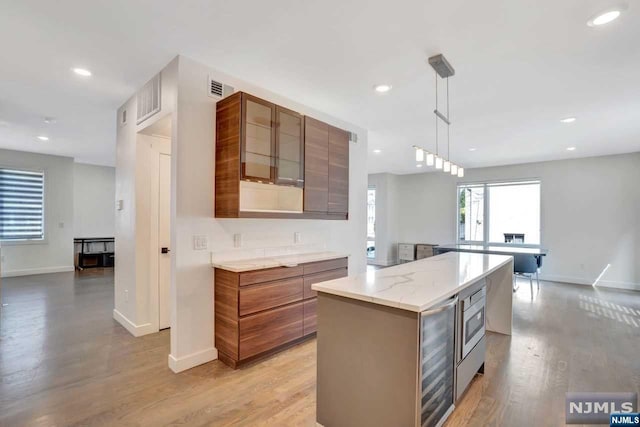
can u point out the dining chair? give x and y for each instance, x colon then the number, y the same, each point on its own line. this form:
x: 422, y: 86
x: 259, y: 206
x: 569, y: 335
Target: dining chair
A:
x: 527, y: 266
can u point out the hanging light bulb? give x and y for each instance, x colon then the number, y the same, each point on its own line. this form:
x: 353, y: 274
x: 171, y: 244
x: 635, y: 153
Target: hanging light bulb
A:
x: 460, y: 172
x: 454, y: 169
x: 438, y: 162
x: 447, y: 166
x: 419, y: 155
x: 430, y: 159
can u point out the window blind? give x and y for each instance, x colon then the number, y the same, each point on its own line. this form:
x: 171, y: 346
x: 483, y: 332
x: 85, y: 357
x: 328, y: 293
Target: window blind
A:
x: 21, y: 204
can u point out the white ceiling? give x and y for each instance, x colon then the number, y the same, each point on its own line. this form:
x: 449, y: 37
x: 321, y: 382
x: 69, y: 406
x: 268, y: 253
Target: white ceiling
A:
x: 520, y: 67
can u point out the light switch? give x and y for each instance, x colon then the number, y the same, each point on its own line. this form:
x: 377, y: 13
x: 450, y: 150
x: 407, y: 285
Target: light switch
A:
x: 200, y: 243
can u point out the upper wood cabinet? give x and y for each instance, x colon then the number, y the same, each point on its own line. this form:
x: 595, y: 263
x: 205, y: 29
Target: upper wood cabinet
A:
x: 316, y: 165
x: 338, y: 171
x: 272, y: 162
x: 326, y: 169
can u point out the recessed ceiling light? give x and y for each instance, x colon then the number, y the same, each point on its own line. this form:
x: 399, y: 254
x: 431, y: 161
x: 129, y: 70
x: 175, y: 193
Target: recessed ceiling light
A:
x: 604, y: 17
x: 43, y: 138
x: 82, y: 72
x: 472, y: 149
x: 382, y: 88
x: 419, y: 165
x: 571, y: 148
x: 568, y: 120
x: 377, y: 151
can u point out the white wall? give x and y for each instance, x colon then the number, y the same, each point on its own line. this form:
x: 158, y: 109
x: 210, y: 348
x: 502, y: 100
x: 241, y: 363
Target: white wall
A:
x: 93, y: 200
x: 55, y: 252
x: 192, y: 331
x: 133, y: 295
x: 590, y: 210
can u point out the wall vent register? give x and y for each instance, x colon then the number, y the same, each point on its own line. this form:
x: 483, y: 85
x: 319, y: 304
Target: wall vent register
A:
x: 148, y: 99
x: 217, y: 89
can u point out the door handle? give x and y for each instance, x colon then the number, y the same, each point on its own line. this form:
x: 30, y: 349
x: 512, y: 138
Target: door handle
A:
x: 164, y: 250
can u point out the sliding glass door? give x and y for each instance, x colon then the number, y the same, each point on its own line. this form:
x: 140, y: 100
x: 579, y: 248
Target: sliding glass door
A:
x: 499, y: 213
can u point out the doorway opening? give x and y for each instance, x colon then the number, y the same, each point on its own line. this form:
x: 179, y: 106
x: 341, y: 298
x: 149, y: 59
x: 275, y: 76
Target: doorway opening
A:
x: 371, y: 222
x: 154, y: 151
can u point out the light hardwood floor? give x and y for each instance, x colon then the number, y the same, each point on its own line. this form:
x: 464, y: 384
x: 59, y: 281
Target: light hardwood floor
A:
x: 65, y: 361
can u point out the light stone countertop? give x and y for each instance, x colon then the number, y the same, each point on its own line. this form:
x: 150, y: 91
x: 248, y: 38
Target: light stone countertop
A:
x: 238, y: 266
x: 419, y: 285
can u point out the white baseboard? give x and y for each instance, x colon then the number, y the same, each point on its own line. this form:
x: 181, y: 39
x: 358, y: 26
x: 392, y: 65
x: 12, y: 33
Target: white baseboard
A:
x: 187, y: 362
x: 32, y: 271
x: 581, y: 281
x: 135, y: 330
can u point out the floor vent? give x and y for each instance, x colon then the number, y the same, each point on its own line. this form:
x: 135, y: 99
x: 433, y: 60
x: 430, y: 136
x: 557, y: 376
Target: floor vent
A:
x: 148, y: 99
x: 217, y: 89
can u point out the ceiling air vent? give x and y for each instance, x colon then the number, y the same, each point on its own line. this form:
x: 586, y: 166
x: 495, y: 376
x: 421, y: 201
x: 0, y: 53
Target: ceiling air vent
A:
x: 217, y: 89
x: 148, y: 99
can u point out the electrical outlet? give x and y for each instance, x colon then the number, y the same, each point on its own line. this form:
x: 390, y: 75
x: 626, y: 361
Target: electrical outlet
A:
x: 237, y: 240
x: 200, y: 243
x: 126, y: 295
x: 61, y: 224
x: 119, y: 204
x: 296, y: 237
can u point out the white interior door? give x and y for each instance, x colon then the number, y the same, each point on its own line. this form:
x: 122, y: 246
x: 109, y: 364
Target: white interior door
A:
x: 164, y: 240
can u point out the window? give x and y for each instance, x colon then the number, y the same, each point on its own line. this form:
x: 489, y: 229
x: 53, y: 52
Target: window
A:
x: 21, y: 205
x: 499, y: 213
x: 371, y: 222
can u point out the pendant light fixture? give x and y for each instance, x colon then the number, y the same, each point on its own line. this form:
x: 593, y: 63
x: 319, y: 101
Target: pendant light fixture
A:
x: 443, y: 69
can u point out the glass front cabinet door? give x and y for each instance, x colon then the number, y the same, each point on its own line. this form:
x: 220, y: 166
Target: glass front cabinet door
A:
x: 258, y: 148
x: 289, y: 148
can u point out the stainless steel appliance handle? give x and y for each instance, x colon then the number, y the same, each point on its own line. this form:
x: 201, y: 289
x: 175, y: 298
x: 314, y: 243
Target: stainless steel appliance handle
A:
x: 440, y: 308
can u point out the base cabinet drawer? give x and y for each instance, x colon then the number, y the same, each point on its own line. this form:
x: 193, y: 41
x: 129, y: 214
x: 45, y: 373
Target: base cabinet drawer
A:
x: 265, y: 331
x: 261, y: 297
x: 310, y: 322
x: 321, y: 277
x: 332, y: 264
x: 269, y: 274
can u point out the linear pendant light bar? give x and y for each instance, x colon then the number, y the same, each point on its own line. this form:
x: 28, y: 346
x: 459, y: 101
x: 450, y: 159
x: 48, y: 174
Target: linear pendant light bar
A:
x: 443, y: 69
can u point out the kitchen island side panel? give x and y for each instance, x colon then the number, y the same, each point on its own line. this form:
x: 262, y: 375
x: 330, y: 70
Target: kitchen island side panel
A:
x: 500, y: 300
x: 367, y: 363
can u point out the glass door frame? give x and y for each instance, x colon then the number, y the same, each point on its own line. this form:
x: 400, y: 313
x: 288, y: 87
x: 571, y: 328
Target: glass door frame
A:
x: 276, y: 125
x: 243, y: 139
x: 487, y: 201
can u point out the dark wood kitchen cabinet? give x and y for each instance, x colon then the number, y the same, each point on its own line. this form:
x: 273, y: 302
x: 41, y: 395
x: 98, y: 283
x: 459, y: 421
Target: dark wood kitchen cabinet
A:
x: 326, y: 169
x: 338, y: 171
x: 316, y: 165
x: 272, y: 162
x: 260, y: 312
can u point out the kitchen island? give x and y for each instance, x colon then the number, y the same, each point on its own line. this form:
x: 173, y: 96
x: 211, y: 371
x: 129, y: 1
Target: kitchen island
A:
x: 398, y: 346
